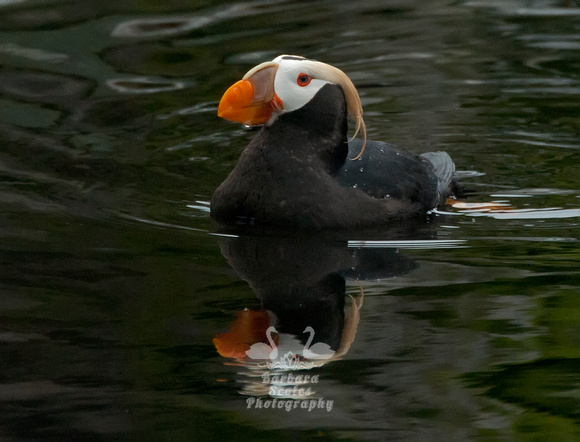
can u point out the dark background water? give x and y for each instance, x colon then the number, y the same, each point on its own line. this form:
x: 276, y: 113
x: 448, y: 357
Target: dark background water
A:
x: 112, y: 287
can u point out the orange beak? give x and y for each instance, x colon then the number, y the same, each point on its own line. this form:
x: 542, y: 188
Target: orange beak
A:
x: 252, y: 100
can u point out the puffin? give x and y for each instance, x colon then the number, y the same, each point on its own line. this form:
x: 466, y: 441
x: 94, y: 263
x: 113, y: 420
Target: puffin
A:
x: 302, y: 170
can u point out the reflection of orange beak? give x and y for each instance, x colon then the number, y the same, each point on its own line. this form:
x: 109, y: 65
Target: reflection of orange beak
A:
x: 248, y: 328
x: 252, y: 100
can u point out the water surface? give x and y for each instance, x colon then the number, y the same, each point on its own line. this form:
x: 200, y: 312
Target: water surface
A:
x: 115, y: 293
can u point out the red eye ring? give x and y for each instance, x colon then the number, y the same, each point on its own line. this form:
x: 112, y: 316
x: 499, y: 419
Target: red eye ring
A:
x: 303, y: 80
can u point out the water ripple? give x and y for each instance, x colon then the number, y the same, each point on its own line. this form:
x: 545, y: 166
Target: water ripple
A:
x: 144, y: 85
x: 409, y: 244
x: 517, y: 214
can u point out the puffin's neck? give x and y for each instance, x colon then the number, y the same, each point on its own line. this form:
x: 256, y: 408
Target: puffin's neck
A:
x: 317, y: 132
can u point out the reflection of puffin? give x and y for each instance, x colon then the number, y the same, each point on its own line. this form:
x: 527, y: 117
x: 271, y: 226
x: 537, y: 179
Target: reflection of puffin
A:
x: 296, y: 171
x: 301, y: 282
x: 260, y: 350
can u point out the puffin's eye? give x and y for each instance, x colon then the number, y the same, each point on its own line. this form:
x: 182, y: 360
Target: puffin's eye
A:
x: 303, y: 80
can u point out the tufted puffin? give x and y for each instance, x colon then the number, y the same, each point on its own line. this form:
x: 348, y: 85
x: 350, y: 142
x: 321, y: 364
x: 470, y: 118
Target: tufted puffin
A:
x: 301, y: 170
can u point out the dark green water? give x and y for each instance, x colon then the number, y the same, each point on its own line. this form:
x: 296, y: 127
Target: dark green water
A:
x: 112, y: 288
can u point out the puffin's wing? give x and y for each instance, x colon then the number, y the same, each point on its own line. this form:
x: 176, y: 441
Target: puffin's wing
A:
x: 384, y: 171
x: 443, y: 167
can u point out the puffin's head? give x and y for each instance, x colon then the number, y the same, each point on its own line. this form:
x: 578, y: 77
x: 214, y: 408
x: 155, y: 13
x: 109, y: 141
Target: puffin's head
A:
x: 282, y: 85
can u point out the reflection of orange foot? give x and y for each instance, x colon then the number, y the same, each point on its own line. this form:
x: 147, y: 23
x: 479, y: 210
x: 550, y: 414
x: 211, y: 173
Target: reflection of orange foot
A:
x: 248, y: 328
x: 479, y: 207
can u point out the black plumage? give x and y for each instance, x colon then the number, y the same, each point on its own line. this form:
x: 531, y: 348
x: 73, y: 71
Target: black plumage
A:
x: 297, y: 172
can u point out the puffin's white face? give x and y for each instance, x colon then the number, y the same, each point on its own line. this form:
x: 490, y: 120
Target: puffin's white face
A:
x: 296, y: 82
x: 285, y: 84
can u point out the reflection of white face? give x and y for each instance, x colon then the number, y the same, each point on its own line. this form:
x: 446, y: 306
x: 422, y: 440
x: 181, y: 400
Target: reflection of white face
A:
x: 296, y: 83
